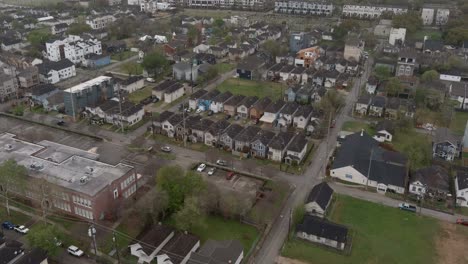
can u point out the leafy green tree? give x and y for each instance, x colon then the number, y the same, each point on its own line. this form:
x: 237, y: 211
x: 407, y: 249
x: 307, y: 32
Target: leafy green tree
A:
x: 393, y: 86
x: 130, y: 68
x: 347, y: 26
x: 191, y: 215
x: 219, y: 23
x: 411, y: 20
x: 208, y: 75
x: 12, y: 176
x: 78, y: 28
x: 430, y: 76
x: 38, y: 37
x: 456, y: 35
x: 154, y: 63
x: 46, y: 237
x: 275, y: 48
x: 193, y: 34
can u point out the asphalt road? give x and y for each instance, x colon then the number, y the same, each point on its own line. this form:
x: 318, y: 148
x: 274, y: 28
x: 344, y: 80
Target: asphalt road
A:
x: 313, y: 175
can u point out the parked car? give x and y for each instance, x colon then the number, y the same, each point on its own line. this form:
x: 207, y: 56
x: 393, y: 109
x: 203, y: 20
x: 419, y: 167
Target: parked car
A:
x: 75, y: 251
x: 462, y: 222
x: 211, y: 171
x: 221, y: 162
x: 151, y: 80
x: 21, y: 229
x: 201, y: 167
x: 60, y: 123
x: 166, y: 149
x: 407, y: 207
x: 198, y: 111
x: 230, y: 175
x: 8, y: 225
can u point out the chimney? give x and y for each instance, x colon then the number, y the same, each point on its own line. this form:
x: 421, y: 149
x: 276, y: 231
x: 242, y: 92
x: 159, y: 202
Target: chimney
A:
x: 362, y: 132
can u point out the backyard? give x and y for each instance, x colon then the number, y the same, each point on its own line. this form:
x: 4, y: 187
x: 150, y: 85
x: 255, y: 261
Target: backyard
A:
x: 141, y: 94
x: 123, y: 55
x: 458, y: 123
x: 252, y: 88
x: 379, y: 232
x: 224, y: 67
x: 357, y: 126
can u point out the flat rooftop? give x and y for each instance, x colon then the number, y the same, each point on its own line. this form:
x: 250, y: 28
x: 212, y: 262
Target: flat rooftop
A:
x: 65, y: 166
x: 87, y: 84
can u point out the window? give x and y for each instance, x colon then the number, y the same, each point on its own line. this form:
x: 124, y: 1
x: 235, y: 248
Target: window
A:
x: 116, y: 193
x: 349, y: 176
x: 413, y: 189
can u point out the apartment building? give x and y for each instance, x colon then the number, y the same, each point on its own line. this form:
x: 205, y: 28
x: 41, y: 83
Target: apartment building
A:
x: 77, y: 183
x: 8, y: 87
x: 320, y: 8
x: 73, y: 48
x: 230, y: 4
x: 427, y: 15
x: 372, y: 11
x: 100, y: 21
x: 442, y: 16
x: 431, y: 13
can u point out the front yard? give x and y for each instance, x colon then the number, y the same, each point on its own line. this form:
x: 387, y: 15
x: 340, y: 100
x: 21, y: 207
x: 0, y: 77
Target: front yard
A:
x: 252, y: 88
x: 381, y: 235
x: 357, y: 126
x: 123, y: 55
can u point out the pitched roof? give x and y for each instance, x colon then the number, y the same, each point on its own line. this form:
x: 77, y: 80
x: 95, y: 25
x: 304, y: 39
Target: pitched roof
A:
x: 443, y: 134
x: 386, y: 125
x: 281, y: 140
x: 322, y: 228
x: 434, y: 177
x: 198, y: 94
x: 321, y: 194
x: 264, y: 136
x: 378, y: 101
x: 33, y: 256
x: 235, y: 100
x: 462, y: 179
x: 298, y: 143
x: 223, y: 97
x: 249, y: 101
x: 218, y: 127
x: 289, y: 108
x: 233, y: 130
x: 164, y: 85
x: 43, y: 88
x: 180, y: 246
x: 47, y: 66
x: 154, y: 237
x: 163, y: 116
x: 364, y: 99
x: 217, y: 252
x: 304, y: 111
x: 248, y: 134
x: 210, y: 95
x: 262, y: 103
x: 275, y: 107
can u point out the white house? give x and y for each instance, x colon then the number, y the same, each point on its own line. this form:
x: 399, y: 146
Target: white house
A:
x: 442, y: 16
x: 168, y: 126
x: 461, y: 188
x: 131, y: 84
x: 319, y: 199
x: 427, y: 15
x: 372, y: 12
x: 296, y: 150
x: 397, y: 35
x: 111, y: 112
x: 278, y: 146
x: 302, y: 116
x: 73, y: 48
x: 432, y: 181
x: 202, y: 48
x: 100, y: 21
x: 217, y: 105
x: 173, y: 93
x: 321, y: 231
x: 56, y: 71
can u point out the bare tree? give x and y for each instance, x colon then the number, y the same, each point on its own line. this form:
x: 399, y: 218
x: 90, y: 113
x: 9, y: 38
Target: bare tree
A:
x: 12, y: 179
x: 153, y: 205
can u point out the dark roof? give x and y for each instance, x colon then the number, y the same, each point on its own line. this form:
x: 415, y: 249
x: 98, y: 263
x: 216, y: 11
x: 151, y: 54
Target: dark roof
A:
x: 249, y: 101
x: 235, y: 100
x: 281, y: 140
x: 233, y: 130
x: 223, y: 97
x: 210, y: 95
x: 433, y: 45
x: 248, y: 134
x: 202, y: 125
x: 262, y: 103
x: 331, y: 74
x: 217, y: 252
x: 175, y: 119
x: 289, y: 108
x: 43, y: 88
x: 164, y: 85
x: 33, y: 256
x: 322, y: 228
x: 387, y: 167
x: 393, y: 103
x: 94, y: 56
x: 443, y: 134
x: 174, y: 88
x: 298, y: 70
x: 126, y: 108
x: 458, y: 89
x: 378, y: 101
x: 298, y: 143
x: 10, y: 41
x: 198, y: 94
x: 386, y: 125
x: 373, y: 80
x: 321, y: 194
x: 180, y: 246
x: 462, y: 179
x: 275, y: 107
x: 264, y: 136
x: 218, y: 127
x: 154, y: 237
x: 364, y: 99
x: 251, y: 63
x: 130, y: 80
x: 163, y: 116
x: 434, y: 177
x: 46, y: 66
x: 304, y: 111
x: 9, y: 251
x: 276, y: 67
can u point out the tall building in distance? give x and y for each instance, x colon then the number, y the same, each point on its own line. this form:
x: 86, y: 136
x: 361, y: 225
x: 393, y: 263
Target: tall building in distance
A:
x: 319, y: 8
x: 73, y: 48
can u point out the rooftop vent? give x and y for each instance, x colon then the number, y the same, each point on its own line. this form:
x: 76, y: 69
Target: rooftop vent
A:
x: 36, y: 166
x: 84, y: 179
x: 9, y: 147
x: 90, y: 170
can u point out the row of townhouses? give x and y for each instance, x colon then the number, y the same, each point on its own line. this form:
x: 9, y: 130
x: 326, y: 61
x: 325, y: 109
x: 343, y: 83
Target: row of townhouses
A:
x: 304, y: 8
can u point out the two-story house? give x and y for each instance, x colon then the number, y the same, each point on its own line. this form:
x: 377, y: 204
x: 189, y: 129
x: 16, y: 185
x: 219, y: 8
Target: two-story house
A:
x: 271, y: 112
x: 461, y: 188
x: 169, y: 125
x: 213, y: 134
x: 377, y: 106
x: 226, y: 139
x: 446, y: 145
x: 302, y: 116
x: 433, y: 181
x: 259, y: 144
x: 278, y: 145
x: 296, y: 150
x: 257, y: 109
x: 243, y: 139
x: 217, y: 105
x: 362, y: 104
x: 286, y: 115
x: 243, y: 109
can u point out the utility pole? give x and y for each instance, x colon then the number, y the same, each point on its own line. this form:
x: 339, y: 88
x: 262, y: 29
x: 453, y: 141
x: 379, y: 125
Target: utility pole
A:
x: 120, y: 108
x: 92, y: 234
x: 72, y: 104
x: 115, y: 247
x: 183, y: 120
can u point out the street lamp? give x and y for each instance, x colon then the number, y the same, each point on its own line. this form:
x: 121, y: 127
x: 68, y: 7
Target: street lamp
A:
x: 92, y: 233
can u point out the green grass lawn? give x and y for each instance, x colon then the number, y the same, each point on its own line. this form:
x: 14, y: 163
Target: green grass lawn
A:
x: 217, y: 228
x: 224, y: 67
x: 139, y: 95
x: 135, y: 68
x: 458, y: 123
x: 15, y: 217
x: 356, y: 126
x: 123, y: 55
x: 381, y: 235
x: 432, y: 34
x: 252, y: 88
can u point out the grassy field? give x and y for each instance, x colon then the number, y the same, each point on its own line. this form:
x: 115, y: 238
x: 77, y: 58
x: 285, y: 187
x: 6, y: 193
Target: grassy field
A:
x: 432, y: 34
x: 15, y: 217
x: 458, y: 123
x: 123, y: 55
x: 135, y: 68
x: 139, y: 95
x: 224, y: 67
x: 381, y: 235
x: 252, y: 88
x: 356, y: 126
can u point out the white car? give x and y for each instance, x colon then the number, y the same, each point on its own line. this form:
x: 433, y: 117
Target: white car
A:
x: 211, y: 171
x: 166, y: 149
x: 151, y: 80
x: 221, y: 162
x: 75, y: 251
x: 201, y: 167
x: 21, y: 229
x: 198, y: 111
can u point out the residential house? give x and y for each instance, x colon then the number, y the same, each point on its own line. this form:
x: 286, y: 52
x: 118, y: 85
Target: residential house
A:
x: 271, y: 112
x: 397, y: 36
x: 377, y: 106
x: 173, y: 93
x: 278, y: 146
x: 362, y: 104
x: 362, y: 161
x: 302, y: 116
x: 250, y: 68
x: 73, y: 48
x: 242, y: 141
x: 319, y: 199
x: 461, y: 188
x: 331, y: 78
x: 353, y: 49
x: 185, y: 72
x: 169, y: 125
x: 12, y: 44
x: 304, y: 8
x: 12, y: 252
x: 227, y: 138
x: 217, y: 105
x: 286, y: 115
x: 59, y: 28
x: 131, y: 84
x: 198, y: 130
x: 298, y: 75
x: 384, y: 131
x: 459, y: 91
x: 119, y: 114
x: 56, y: 71
x: 306, y: 57
x: 371, y: 84
x: 100, y: 21
x: 218, y: 51
x: 407, y: 63
x: 427, y: 15
x: 446, y: 145
x: 8, y: 87
x: 48, y: 96
x: 149, y: 245
x: 158, y: 120
x: 296, y: 150
x: 304, y: 95
x: 433, y: 47
x: 206, y: 100
x: 28, y: 77
x: 115, y: 46
x: 321, y: 231
x: 290, y: 93
x: 230, y: 106
x: 257, y: 110
x: 219, y: 252
x: 430, y: 182
x: 204, y: 58
x: 259, y: 144
x: 94, y: 61
x: 193, y: 100
x: 213, y: 134
x: 372, y: 11
x: 243, y: 110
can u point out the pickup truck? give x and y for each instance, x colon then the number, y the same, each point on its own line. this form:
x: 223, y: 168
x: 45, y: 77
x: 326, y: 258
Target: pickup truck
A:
x: 407, y: 207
